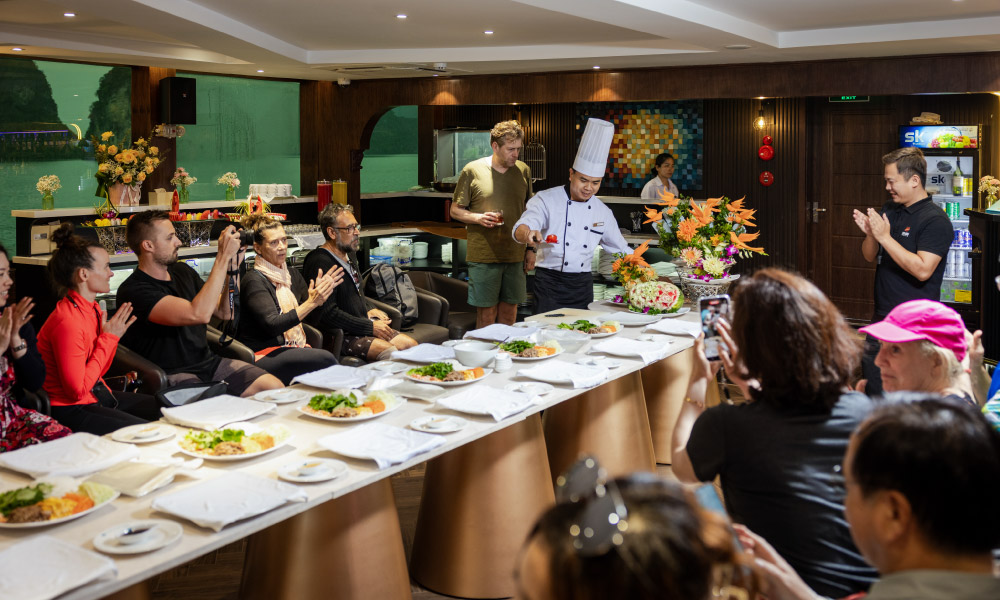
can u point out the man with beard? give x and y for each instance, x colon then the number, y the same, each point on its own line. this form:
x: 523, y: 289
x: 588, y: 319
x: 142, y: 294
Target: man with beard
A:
x: 173, y: 306
x: 367, y: 332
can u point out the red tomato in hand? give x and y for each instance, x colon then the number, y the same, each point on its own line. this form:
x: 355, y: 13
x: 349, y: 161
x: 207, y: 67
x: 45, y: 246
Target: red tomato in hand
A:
x: 551, y: 239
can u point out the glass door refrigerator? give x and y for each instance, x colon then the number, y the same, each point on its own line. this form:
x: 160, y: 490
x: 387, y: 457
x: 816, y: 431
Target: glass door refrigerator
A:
x: 952, y: 153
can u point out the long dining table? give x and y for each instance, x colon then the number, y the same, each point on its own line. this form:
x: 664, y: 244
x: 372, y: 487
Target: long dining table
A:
x: 483, y: 489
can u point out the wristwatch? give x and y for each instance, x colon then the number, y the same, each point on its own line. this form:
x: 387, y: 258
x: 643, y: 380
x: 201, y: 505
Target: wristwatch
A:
x: 531, y: 249
x: 20, y: 346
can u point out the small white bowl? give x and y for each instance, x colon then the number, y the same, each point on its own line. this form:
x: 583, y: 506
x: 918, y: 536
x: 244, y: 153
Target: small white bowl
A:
x: 475, y: 354
x: 571, y: 341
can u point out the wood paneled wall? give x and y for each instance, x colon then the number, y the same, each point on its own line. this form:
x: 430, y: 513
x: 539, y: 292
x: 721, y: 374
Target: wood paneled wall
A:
x: 146, y: 115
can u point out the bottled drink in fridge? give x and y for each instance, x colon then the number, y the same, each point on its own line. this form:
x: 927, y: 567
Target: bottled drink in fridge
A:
x: 958, y: 181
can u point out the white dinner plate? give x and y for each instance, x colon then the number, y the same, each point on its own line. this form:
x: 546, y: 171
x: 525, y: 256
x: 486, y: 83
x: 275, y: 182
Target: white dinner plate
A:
x: 144, y: 433
x: 486, y: 371
x: 246, y: 427
x: 597, y: 336
x: 283, y: 395
x: 535, y: 388
x: 419, y: 391
x: 635, y: 319
x: 388, y: 409
x: 537, y: 358
x: 387, y: 367
x: 164, y: 533
x: 681, y: 311
x: 61, y: 519
x: 328, y: 468
x: 600, y: 361
x: 439, y: 424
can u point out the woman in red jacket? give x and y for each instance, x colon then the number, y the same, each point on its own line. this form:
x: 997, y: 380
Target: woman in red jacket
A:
x: 78, y: 342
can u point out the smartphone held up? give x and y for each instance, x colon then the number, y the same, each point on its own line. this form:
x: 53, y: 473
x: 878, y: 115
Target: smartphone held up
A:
x: 711, y: 309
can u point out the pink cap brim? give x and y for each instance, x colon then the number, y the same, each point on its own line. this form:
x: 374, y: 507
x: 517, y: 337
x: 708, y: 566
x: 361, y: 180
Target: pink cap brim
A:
x: 894, y: 334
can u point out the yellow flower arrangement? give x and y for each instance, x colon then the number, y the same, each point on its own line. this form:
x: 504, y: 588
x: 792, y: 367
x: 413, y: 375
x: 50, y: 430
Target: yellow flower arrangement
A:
x: 130, y: 166
x: 630, y: 269
x: 707, y: 235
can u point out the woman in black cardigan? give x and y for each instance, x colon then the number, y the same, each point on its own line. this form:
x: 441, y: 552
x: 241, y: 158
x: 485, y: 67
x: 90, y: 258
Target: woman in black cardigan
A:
x: 275, y: 300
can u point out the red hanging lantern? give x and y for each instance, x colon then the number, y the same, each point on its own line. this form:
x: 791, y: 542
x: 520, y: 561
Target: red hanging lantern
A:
x: 767, y: 140
x: 766, y: 152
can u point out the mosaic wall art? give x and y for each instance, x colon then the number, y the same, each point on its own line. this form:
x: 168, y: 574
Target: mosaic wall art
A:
x: 645, y: 129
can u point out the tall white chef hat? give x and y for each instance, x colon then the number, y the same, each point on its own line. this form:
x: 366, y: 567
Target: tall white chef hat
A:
x: 592, y: 156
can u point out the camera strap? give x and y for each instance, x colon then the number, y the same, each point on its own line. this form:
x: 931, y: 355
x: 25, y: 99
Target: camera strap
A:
x: 229, y: 327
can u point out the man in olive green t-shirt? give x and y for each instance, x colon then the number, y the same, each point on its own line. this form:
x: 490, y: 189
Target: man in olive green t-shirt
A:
x: 489, y: 198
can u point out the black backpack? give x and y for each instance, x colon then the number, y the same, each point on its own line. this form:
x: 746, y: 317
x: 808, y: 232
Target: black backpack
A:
x: 392, y: 285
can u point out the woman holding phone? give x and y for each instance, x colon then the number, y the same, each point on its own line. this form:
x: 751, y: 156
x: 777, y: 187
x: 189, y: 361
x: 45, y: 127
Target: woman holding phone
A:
x: 779, y: 455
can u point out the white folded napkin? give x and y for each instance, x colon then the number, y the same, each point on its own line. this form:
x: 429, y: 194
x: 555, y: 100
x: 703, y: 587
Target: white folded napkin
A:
x: 75, y: 455
x: 335, y: 378
x: 213, y: 413
x: 385, y: 444
x: 676, y: 327
x: 425, y: 353
x: 557, y: 371
x: 497, y: 403
x: 625, y: 317
x: 43, y: 567
x: 647, y: 352
x: 498, y: 332
x: 215, y: 503
x: 135, y: 478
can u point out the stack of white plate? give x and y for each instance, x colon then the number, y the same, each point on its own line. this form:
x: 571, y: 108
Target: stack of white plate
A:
x: 664, y: 269
x: 599, y: 290
x: 595, y: 261
x: 446, y: 252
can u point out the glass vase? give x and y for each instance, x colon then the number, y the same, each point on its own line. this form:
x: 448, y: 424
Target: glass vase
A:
x: 48, y: 201
x: 230, y: 194
x: 183, y: 195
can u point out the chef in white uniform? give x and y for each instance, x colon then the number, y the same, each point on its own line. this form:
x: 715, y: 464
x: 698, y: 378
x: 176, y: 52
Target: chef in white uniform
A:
x: 578, y: 219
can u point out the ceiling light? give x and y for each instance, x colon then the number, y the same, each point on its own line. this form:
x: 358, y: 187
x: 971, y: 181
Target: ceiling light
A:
x: 76, y: 95
x: 69, y: 14
x: 400, y: 16
x: 759, y: 122
x: 260, y: 70
x: 737, y: 47
x: 488, y: 32
x: 17, y: 49
x: 597, y: 66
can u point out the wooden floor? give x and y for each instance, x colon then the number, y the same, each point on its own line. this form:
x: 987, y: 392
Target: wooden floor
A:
x: 216, y: 576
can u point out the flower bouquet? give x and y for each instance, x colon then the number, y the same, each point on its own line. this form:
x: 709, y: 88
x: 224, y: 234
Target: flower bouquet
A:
x: 708, y: 236
x: 181, y: 180
x: 126, y: 166
x: 47, y: 184
x: 643, y: 293
x: 990, y: 186
x: 231, y: 181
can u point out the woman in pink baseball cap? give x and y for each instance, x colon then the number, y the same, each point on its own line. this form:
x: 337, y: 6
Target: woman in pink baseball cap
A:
x: 923, y: 346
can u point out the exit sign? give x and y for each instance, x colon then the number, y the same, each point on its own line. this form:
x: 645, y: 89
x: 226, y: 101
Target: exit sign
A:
x: 850, y: 98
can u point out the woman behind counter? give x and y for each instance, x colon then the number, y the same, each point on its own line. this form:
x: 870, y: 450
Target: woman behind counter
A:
x: 79, y: 341
x: 660, y: 182
x: 20, y: 365
x: 275, y: 300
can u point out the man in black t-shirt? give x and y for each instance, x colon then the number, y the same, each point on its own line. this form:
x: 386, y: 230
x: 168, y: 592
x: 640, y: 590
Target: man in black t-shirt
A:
x: 173, y: 306
x: 907, y: 240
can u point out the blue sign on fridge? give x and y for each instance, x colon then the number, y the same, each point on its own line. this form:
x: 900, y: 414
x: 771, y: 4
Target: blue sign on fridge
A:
x: 939, y: 136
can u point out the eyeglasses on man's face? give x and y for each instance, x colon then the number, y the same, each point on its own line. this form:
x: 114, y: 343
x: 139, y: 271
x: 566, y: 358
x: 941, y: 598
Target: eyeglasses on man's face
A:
x: 356, y: 228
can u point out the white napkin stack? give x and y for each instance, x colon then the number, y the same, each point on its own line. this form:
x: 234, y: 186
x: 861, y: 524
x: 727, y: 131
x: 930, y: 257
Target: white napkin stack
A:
x: 385, y: 444
x: 497, y: 403
x: 647, y: 352
x: 676, y: 327
x: 335, y: 377
x: 425, y: 353
x: 232, y: 497
x: 213, y: 413
x: 75, y: 455
x: 43, y: 567
x: 498, y: 332
x: 557, y: 371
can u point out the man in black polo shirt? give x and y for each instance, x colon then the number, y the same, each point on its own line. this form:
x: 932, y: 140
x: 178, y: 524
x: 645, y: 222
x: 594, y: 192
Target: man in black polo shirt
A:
x: 907, y: 240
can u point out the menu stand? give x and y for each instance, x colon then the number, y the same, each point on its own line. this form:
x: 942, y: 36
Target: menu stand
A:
x: 348, y: 548
x: 609, y: 422
x: 478, y: 505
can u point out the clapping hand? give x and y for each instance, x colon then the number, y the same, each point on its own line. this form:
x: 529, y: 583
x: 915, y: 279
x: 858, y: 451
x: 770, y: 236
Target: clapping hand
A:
x: 6, y: 324
x: 878, y: 224
x: 21, y: 314
x: 121, y: 320
x: 321, y: 287
x: 861, y: 220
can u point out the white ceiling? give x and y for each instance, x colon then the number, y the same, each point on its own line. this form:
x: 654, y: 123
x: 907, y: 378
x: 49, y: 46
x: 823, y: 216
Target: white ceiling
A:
x: 362, y: 39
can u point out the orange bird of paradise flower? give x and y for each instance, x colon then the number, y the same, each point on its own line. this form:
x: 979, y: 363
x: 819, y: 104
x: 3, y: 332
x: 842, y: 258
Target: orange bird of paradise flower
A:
x: 740, y: 241
x: 634, y: 259
x: 702, y: 214
x: 712, y: 204
x: 668, y: 199
x: 652, y: 215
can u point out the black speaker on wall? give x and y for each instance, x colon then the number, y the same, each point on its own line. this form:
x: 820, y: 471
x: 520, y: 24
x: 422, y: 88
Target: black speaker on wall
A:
x: 177, y: 101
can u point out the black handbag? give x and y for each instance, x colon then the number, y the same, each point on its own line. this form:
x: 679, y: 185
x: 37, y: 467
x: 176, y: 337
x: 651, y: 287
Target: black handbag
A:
x: 186, y: 393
